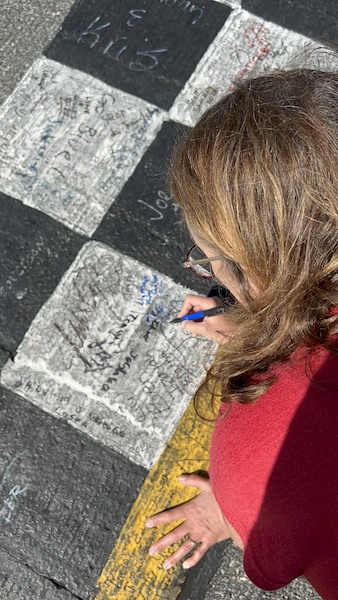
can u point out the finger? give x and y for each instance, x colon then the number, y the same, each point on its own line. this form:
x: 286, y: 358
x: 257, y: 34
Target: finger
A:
x: 168, y: 540
x: 167, y: 516
x: 215, y: 328
x: 203, y: 483
x: 185, y: 548
x: 193, y: 328
x: 193, y: 303
x: 193, y: 560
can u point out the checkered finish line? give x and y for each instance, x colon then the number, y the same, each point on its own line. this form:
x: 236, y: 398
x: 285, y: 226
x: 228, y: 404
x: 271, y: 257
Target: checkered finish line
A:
x: 96, y: 419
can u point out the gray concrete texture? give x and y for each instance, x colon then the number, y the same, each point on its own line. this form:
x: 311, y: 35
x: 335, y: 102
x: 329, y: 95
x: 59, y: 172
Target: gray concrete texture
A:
x: 25, y: 29
x: 231, y: 582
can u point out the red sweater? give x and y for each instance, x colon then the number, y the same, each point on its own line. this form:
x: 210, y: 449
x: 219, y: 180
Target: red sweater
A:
x: 274, y: 473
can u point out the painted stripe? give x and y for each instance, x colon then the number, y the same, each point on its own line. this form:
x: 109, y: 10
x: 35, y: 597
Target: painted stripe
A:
x: 130, y: 573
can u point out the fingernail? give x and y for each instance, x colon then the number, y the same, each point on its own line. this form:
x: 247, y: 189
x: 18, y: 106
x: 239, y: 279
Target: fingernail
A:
x: 166, y: 564
x: 181, y: 477
x: 152, y: 551
x: 185, y: 565
x: 149, y: 523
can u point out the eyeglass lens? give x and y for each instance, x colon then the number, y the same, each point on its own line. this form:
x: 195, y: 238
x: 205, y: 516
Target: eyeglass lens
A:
x: 204, y: 270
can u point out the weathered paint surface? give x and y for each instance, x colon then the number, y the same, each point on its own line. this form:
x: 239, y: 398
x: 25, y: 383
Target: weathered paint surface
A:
x: 316, y: 19
x: 68, y: 143
x: 245, y: 45
x: 35, y: 252
x: 153, y: 228
x: 63, y: 500
x: 232, y: 3
x: 102, y: 354
x: 139, y: 47
x: 130, y: 573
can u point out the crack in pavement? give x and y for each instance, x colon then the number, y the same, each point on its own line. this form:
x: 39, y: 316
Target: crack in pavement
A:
x: 55, y: 582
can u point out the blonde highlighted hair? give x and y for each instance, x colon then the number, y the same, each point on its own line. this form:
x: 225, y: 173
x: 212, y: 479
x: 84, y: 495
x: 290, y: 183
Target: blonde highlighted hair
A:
x: 257, y: 181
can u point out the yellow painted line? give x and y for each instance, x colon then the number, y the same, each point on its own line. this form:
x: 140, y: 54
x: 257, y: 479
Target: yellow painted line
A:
x: 130, y: 573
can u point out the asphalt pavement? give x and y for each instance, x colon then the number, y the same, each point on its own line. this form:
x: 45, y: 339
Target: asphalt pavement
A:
x: 94, y: 427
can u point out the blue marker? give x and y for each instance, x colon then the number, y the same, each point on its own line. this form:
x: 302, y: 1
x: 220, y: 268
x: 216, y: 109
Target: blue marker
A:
x: 200, y: 315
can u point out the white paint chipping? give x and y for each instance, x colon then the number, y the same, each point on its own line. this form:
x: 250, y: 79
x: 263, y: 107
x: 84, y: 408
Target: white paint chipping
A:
x: 245, y: 45
x: 69, y: 142
x: 102, y: 354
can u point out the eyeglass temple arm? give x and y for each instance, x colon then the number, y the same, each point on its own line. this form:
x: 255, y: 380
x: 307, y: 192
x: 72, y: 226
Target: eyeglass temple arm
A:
x: 203, y: 261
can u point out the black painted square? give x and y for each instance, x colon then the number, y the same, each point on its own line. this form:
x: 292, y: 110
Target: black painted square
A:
x: 63, y: 496
x: 144, y: 222
x: 313, y: 18
x: 35, y: 252
x: 148, y: 48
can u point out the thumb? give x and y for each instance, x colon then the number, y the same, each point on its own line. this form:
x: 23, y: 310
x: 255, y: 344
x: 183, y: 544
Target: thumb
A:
x: 202, y: 483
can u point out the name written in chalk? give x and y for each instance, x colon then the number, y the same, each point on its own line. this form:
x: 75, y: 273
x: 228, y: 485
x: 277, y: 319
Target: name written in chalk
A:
x: 100, y: 34
x: 11, y: 500
x: 118, y: 45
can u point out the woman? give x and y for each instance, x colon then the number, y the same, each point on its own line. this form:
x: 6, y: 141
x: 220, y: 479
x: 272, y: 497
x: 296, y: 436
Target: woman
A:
x: 257, y: 183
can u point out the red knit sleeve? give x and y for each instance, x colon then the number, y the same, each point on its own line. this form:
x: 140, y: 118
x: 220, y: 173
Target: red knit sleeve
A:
x: 274, y: 471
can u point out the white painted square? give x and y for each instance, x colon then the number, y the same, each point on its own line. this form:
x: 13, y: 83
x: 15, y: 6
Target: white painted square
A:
x: 102, y: 354
x: 69, y: 142
x: 232, y: 3
x: 245, y: 45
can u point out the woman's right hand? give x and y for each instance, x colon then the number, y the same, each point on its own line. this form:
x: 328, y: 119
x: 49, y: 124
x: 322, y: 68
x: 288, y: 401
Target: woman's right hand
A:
x: 216, y: 328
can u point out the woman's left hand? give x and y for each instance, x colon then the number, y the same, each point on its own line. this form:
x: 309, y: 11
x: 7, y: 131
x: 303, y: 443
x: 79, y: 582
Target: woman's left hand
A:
x: 204, y: 523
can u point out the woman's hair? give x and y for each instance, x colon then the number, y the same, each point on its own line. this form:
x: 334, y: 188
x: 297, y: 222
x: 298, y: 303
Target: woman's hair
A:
x: 257, y: 182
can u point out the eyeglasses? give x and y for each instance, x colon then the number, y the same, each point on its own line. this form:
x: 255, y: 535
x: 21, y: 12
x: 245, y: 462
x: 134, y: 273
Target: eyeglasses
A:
x: 196, y: 260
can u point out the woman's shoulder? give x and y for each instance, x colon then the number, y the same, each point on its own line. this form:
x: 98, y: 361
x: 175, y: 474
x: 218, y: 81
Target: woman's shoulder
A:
x: 306, y: 382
